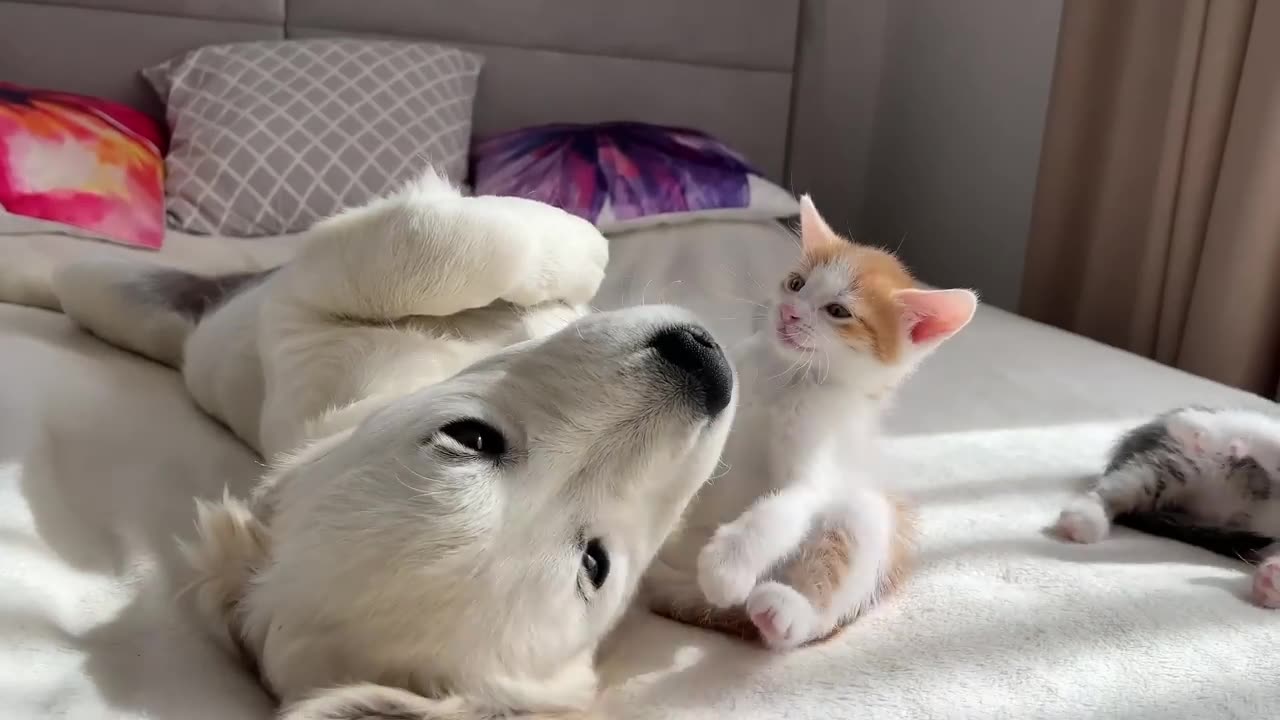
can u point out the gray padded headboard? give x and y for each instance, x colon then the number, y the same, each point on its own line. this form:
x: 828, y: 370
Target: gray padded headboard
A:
x: 723, y: 66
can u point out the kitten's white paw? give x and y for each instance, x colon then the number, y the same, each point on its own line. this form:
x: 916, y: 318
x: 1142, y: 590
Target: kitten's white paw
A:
x: 783, y: 616
x: 1083, y: 521
x: 724, y: 575
x: 1266, y: 583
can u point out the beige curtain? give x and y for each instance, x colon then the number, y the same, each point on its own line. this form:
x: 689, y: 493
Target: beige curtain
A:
x: 1156, y: 225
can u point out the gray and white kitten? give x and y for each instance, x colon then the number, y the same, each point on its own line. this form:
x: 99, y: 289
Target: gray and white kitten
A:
x: 1207, y: 477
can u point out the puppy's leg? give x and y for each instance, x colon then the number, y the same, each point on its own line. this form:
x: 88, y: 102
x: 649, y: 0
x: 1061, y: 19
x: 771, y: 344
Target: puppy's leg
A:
x: 231, y: 544
x: 111, y: 299
x: 377, y: 702
x: 428, y: 251
x: 372, y: 702
x: 144, y: 308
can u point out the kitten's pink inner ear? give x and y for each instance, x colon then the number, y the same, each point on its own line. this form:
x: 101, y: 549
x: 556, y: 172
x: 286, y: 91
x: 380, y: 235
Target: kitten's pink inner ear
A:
x: 814, y: 231
x: 935, y: 315
x: 1238, y: 448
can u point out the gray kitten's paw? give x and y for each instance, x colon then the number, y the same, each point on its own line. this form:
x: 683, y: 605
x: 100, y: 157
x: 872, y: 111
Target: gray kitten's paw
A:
x: 1266, y: 583
x: 1083, y: 521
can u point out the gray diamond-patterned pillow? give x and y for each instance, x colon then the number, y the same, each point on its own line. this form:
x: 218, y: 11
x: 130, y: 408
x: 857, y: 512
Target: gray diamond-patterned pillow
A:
x: 267, y: 138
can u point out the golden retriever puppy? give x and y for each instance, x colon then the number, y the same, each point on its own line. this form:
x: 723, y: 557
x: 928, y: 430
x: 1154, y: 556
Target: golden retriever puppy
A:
x: 470, y: 473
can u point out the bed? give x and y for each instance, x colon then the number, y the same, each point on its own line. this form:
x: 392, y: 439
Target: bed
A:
x: 101, y: 452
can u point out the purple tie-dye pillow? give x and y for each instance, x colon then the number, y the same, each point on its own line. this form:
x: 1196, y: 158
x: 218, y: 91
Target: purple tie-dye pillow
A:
x: 626, y: 174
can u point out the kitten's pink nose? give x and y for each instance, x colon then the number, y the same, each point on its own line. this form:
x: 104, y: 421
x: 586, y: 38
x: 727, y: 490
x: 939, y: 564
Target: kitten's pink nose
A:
x: 788, y: 313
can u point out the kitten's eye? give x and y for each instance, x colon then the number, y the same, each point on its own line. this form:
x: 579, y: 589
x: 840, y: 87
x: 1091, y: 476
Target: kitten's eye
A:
x: 595, y: 562
x: 473, y: 437
x: 794, y: 283
x: 838, y: 311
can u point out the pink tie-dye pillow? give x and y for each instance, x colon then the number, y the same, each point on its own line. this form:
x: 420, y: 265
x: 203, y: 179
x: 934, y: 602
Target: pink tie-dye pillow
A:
x: 92, y: 164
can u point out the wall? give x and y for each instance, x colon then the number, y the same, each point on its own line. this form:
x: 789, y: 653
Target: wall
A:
x: 918, y: 126
x: 963, y: 92
x: 838, y: 81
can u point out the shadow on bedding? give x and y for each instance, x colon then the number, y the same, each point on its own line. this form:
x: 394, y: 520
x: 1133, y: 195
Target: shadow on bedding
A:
x: 109, y: 453
x: 1051, y: 654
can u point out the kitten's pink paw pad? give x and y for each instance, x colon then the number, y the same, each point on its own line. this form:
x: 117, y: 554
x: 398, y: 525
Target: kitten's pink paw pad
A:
x: 1083, y: 523
x: 764, y: 622
x: 784, y: 618
x: 723, y: 574
x: 1266, y: 584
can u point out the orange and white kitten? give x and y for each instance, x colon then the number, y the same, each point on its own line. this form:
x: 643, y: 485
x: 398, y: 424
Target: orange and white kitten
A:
x: 798, y: 531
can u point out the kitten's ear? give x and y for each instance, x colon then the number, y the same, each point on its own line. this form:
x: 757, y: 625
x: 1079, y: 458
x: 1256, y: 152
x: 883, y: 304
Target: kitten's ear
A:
x: 814, y: 231
x: 932, y: 316
x: 1238, y: 448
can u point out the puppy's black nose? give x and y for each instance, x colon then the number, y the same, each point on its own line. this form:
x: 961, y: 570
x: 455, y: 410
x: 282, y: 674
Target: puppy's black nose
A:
x: 691, y: 349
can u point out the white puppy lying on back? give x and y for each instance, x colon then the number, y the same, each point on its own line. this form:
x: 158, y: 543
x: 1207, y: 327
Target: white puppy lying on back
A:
x: 469, y: 480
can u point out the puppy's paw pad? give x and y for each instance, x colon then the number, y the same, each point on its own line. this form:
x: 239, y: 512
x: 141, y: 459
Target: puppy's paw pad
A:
x: 1266, y: 584
x: 723, y: 575
x: 1083, y: 523
x: 784, y: 618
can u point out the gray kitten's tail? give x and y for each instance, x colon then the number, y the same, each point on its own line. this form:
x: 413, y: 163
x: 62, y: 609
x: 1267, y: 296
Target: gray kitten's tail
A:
x: 147, y: 309
x: 1235, y: 544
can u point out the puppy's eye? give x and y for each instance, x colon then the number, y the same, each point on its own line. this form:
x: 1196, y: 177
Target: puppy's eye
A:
x: 795, y: 283
x: 595, y: 562
x: 475, y: 436
x: 838, y: 311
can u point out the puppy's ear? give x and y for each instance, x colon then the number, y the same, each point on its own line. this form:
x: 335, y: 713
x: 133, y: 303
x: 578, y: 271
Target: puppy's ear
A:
x: 231, y: 544
x: 288, y: 466
x: 378, y: 702
x: 431, y: 184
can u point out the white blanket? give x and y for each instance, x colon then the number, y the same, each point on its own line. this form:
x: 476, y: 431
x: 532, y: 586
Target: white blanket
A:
x: 101, y: 453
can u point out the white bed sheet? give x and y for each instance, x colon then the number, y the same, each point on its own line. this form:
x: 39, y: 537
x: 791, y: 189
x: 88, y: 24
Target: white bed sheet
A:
x: 101, y: 453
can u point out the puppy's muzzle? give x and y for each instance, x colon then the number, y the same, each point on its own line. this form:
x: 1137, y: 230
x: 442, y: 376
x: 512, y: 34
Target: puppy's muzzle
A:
x: 695, y: 356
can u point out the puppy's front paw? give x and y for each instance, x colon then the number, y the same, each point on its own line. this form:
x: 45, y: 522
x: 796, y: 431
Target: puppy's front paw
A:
x: 567, y: 266
x: 1083, y: 521
x: 783, y: 616
x: 724, y: 574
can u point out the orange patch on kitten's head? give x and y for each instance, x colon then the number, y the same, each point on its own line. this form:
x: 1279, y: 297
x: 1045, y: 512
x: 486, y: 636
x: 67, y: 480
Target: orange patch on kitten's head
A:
x: 888, y: 313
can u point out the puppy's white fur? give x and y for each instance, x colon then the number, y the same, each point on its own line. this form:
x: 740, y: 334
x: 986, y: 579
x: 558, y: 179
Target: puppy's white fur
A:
x: 375, y: 571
